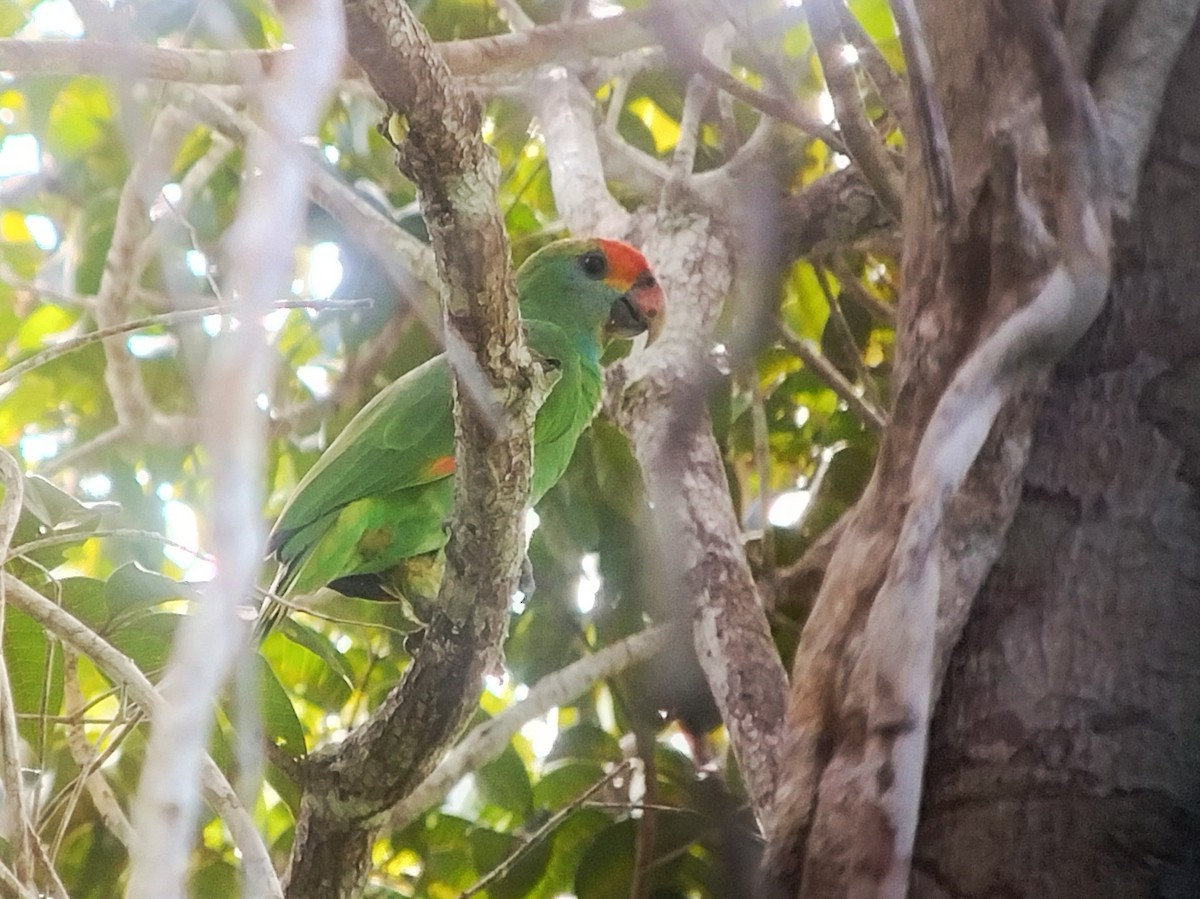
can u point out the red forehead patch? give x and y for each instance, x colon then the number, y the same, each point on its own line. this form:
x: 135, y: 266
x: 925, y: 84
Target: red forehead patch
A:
x: 624, y: 262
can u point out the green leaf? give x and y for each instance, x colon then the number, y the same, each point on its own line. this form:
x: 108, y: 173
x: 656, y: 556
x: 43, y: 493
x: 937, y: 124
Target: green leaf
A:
x: 804, y: 306
x: 44, y: 322
x: 12, y: 17
x: 607, y: 866
x: 318, y: 645
x: 78, y: 119
x: 504, y: 785
x: 571, y: 839
x: 564, y: 782
x: 26, y: 654
x: 449, y: 868
x: 59, y: 510
x: 586, y: 741
x: 280, y: 724
x: 490, y: 849
x: 90, y: 858
x: 147, y: 639
x: 95, y: 237
x: 132, y: 588
x: 84, y: 598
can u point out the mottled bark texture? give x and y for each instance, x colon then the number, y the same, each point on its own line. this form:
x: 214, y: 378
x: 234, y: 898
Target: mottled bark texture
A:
x: 349, y: 787
x: 1065, y: 750
x: 706, y: 573
x: 1092, y: 724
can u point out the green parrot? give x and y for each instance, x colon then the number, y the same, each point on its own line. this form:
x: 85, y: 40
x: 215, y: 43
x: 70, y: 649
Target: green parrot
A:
x: 368, y: 520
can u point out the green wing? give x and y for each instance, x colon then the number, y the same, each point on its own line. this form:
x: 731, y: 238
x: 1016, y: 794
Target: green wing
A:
x: 401, y: 440
x: 369, y: 536
x: 383, y: 490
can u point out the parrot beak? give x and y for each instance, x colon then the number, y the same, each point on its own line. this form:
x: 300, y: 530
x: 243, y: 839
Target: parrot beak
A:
x: 638, y: 309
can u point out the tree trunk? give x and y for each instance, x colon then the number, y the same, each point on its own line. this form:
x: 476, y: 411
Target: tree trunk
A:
x: 1065, y: 756
x: 1061, y: 759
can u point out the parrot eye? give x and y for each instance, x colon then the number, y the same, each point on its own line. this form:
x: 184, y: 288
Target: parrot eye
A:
x: 594, y: 264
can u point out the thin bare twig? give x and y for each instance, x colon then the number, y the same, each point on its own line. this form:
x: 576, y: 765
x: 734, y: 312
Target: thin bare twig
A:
x: 128, y: 533
x: 13, y: 883
x: 853, y: 288
x: 927, y: 111
x: 487, y: 741
x: 502, y: 869
x: 891, y: 86
x: 121, y: 670
x: 84, y: 754
x: 190, y: 186
x: 863, y: 142
x: 779, y: 108
x: 812, y: 356
x: 150, y: 321
x: 853, y: 350
x: 81, y: 451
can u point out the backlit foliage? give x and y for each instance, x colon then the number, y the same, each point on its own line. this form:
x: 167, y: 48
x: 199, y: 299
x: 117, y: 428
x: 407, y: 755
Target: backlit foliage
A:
x: 114, y: 522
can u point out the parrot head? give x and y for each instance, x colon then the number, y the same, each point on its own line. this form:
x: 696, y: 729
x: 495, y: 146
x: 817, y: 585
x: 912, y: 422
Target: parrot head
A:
x: 595, y: 285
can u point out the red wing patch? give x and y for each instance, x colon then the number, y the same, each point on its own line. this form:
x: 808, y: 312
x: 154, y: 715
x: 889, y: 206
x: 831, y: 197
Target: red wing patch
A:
x: 440, y: 467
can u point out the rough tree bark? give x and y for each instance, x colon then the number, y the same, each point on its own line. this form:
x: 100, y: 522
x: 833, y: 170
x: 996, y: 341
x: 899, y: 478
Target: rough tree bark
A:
x: 1063, y: 760
x: 1059, y: 761
x: 349, y: 787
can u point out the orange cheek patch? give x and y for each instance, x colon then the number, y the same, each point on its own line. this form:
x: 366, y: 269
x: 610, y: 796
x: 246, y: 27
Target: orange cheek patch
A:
x: 439, y: 468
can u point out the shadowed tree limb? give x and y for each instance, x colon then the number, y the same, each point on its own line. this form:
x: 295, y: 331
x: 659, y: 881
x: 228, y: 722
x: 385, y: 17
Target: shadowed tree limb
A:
x: 349, y: 788
x: 862, y: 706
x: 926, y: 111
x: 689, y: 248
x: 863, y: 142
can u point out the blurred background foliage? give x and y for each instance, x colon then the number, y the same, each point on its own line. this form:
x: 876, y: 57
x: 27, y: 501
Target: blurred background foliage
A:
x: 114, y: 524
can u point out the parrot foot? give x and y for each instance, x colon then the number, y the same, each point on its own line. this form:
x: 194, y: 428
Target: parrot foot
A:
x: 414, y: 640
x: 525, y: 582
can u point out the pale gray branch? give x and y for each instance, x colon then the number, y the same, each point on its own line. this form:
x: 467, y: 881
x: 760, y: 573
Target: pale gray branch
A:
x: 128, y: 60
x: 567, y: 116
x: 260, y: 245
x: 487, y: 741
x: 13, y: 798
x: 122, y: 373
x: 1130, y: 87
x: 121, y: 670
x: 575, y: 42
